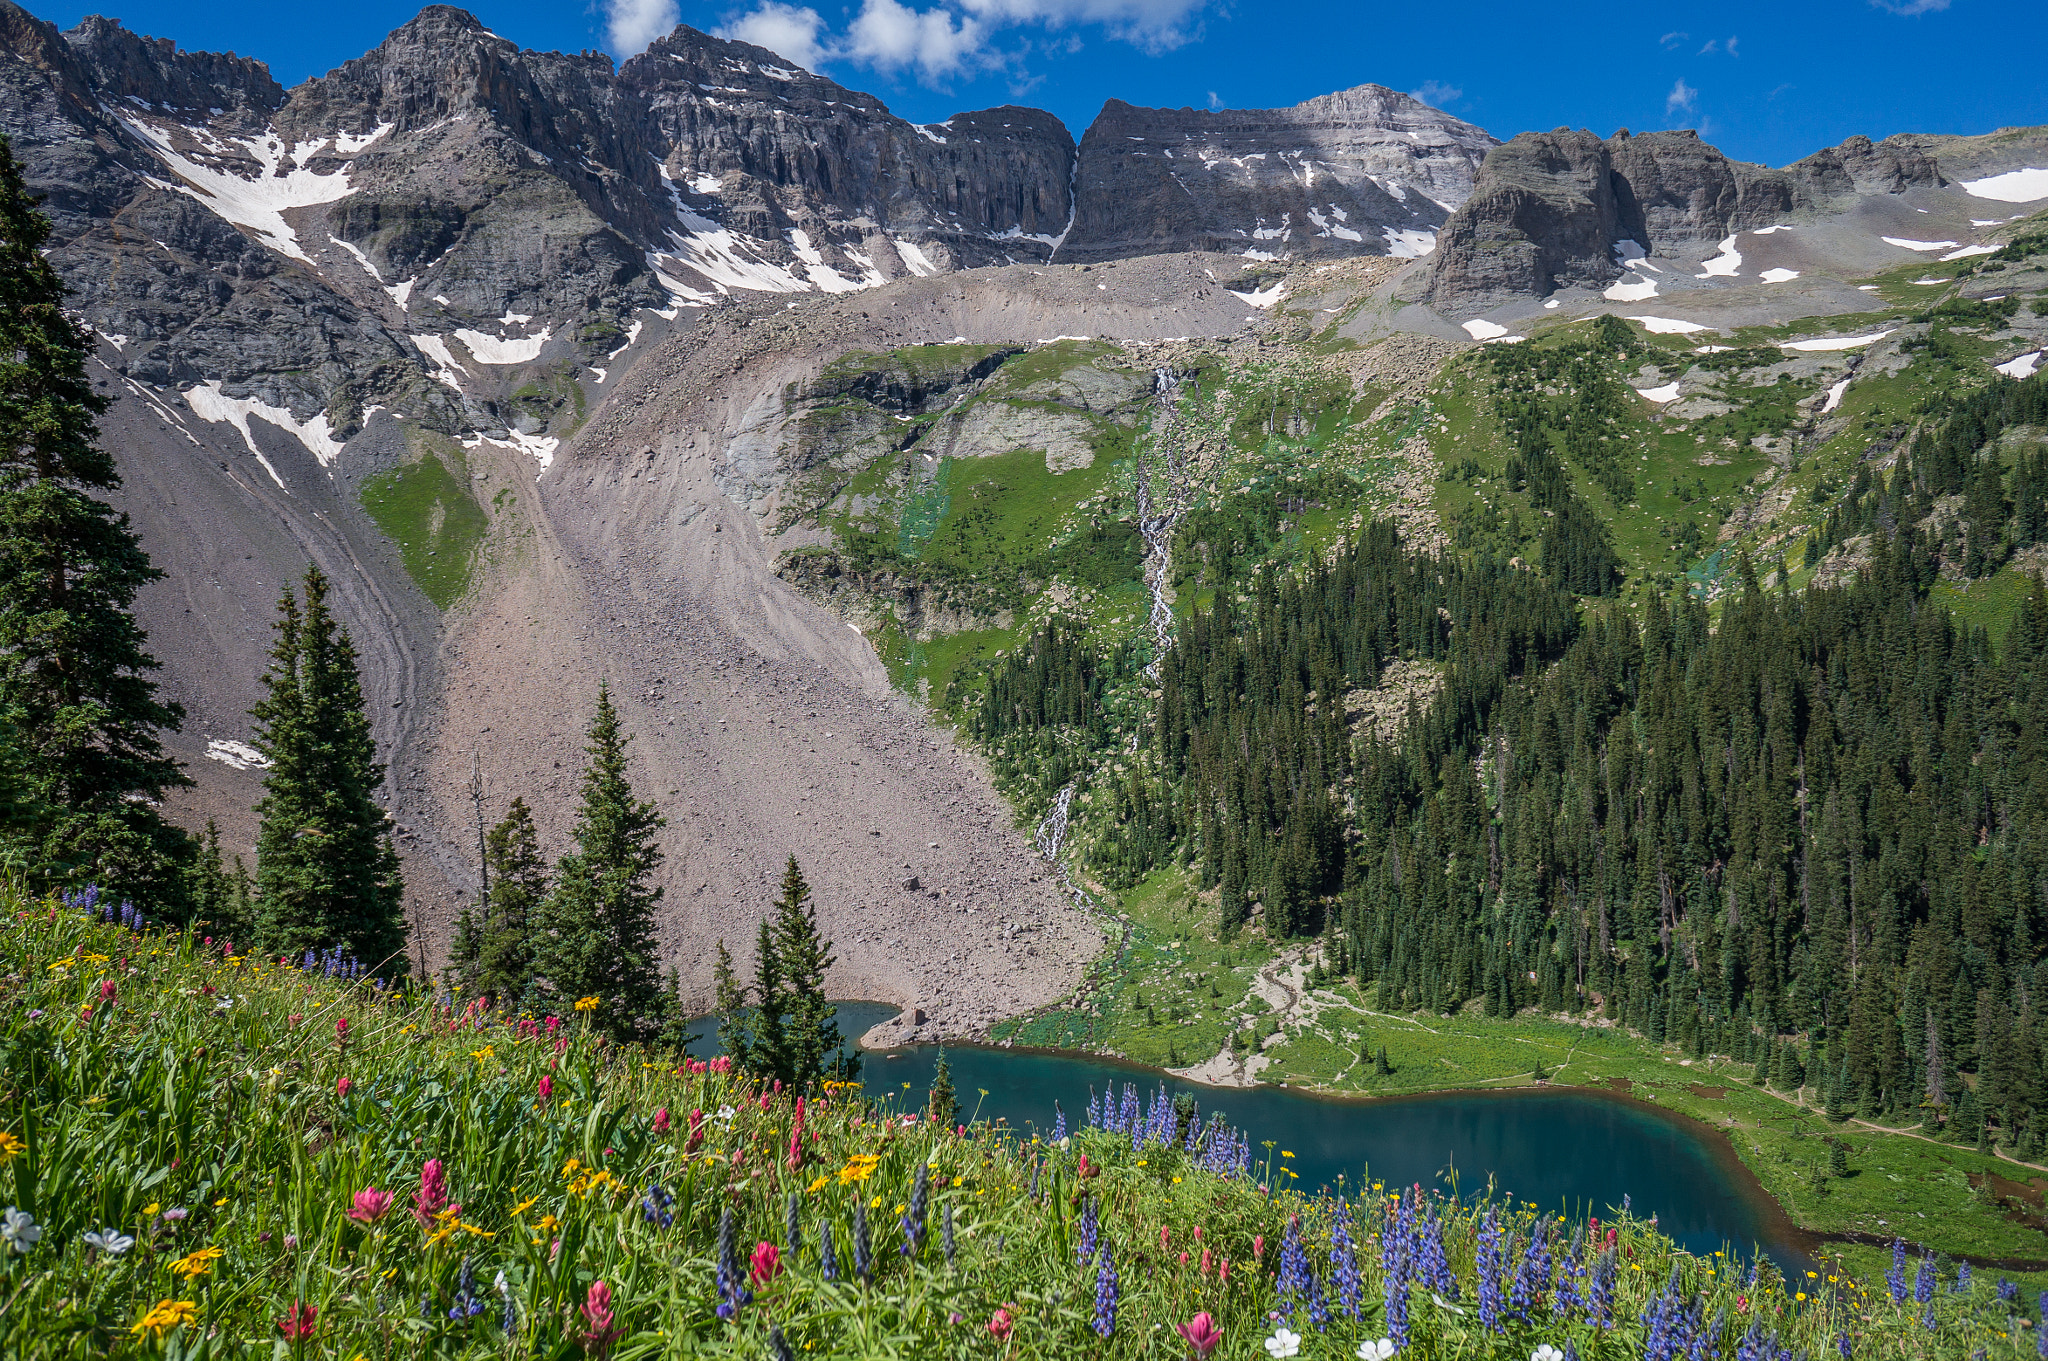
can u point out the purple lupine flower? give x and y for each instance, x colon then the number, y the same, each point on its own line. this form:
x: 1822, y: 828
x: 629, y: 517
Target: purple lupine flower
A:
x: 1488, y: 1259
x: 1567, y: 1299
x: 828, y: 1262
x: 1293, y: 1266
x: 1532, y: 1273
x: 863, y: 1251
x: 1318, y: 1308
x: 1034, y: 1180
x: 310, y: 961
x: 1923, y: 1280
x: 654, y: 1206
x: 1094, y: 1110
x: 733, y: 1292
x: 1398, y: 1260
x: 1105, y: 1295
x: 1084, y: 1252
x: 1928, y: 1320
x: 1896, y: 1277
x: 912, y: 1223
x: 1059, y: 1123
x: 1706, y: 1339
x: 1600, y: 1304
x: 1345, y: 1262
x: 1751, y: 1348
x: 1845, y: 1347
x: 2008, y: 1293
x: 1963, y: 1279
x: 1431, y: 1260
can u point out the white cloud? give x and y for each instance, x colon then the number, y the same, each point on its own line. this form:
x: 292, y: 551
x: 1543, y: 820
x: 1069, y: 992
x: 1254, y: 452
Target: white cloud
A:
x: 1436, y: 93
x: 1682, y: 98
x: 890, y: 36
x: 950, y: 37
x: 1153, y: 25
x: 1911, y: 6
x: 1731, y: 47
x: 789, y: 31
x: 629, y: 25
x: 1671, y: 40
x: 1215, y: 100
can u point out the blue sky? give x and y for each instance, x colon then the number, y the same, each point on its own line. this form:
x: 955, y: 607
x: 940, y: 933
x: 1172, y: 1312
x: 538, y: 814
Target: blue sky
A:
x: 1765, y: 82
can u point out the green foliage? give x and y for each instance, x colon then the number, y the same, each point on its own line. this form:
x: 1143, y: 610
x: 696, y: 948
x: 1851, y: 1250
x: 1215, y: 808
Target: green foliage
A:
x: 493, y: 952
x: 428, y: 512
x: 74, y: 672
x: 327, y: 876
x: 595, y: 932
x: 789, y: 1034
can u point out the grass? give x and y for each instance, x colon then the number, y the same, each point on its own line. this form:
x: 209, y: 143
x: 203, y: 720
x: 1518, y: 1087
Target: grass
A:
x: 215, y: 1116
x: 425, y: 508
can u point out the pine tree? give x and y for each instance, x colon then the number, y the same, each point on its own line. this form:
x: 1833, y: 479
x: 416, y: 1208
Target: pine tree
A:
x: 214, y: 899
x: 327, y: 875
x: 804, y: 956
x: 596, y: 936
x: 519, y: 886
x: 1838, y: 1158
x: 731, y: 1001
x: 941, y: 1107
x: 73, y: 668
x: 768, y: 1047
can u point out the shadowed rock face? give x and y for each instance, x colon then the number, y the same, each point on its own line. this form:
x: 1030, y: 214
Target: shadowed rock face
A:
x: 1549, y: 208
x: 1367, y: 171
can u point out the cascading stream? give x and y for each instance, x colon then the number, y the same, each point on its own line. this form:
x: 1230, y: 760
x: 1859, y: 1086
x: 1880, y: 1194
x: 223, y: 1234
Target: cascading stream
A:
x: 1156, y: 524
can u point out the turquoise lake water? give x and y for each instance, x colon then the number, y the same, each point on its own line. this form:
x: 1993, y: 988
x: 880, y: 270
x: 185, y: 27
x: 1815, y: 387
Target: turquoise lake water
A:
x: 1569, y: 1150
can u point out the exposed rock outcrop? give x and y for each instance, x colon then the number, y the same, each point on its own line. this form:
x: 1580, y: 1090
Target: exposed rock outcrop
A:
x: 1366, y: 171
x: 1550, y: 208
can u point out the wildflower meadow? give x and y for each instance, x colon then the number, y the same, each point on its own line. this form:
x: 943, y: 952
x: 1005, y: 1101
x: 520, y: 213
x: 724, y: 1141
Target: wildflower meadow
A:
x: 213, y: 1155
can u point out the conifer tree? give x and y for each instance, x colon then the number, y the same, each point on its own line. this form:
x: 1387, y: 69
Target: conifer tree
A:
x: 803, y: 956
x: 327, y: 875
x: 768, y: 1051
x: 731, y: 1002
x: 73, y: 668
x: 597, y: 927
x: 519, y: 886
x: 215, y: 899
x: 941, y: 1107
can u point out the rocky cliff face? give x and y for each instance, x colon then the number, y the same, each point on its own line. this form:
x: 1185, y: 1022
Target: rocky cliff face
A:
x: 1367, y: 171
x: 1554, y: 210
x: 447, y: 220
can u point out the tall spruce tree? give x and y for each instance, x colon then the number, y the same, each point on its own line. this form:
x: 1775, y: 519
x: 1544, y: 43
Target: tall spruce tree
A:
x: 73, y: 668
x: 519, y: 885
x: 803, y: 954
x: 326, y: 873
x: 597, y: 927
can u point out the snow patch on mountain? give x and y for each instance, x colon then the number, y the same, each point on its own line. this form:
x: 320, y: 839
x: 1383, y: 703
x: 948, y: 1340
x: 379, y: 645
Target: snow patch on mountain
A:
x: 258, y: 205
x: 209, y: 403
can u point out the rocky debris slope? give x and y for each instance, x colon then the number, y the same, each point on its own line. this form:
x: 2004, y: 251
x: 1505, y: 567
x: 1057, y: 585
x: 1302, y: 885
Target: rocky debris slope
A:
x: 1564, y: 209
x: 1366, y: 171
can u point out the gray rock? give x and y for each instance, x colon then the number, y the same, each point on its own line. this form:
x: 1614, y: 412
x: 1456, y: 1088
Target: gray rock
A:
x: 1549, y: 207
x: 1343, y: 174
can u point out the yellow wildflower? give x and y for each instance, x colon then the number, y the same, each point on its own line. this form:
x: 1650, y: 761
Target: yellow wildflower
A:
x: 152, y: 1207
x: 523, y: 1206
x: 859, y: 1167
x: 10, y: 1147
x: 164, y: 1316
x: 196, y: 1264
x: 819, y: 1183
x: 586, y: 1004
x: 548, y: 1222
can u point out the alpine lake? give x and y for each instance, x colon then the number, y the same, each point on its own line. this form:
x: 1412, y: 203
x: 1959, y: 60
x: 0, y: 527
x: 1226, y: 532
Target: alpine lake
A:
x: 1579, y: 1152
